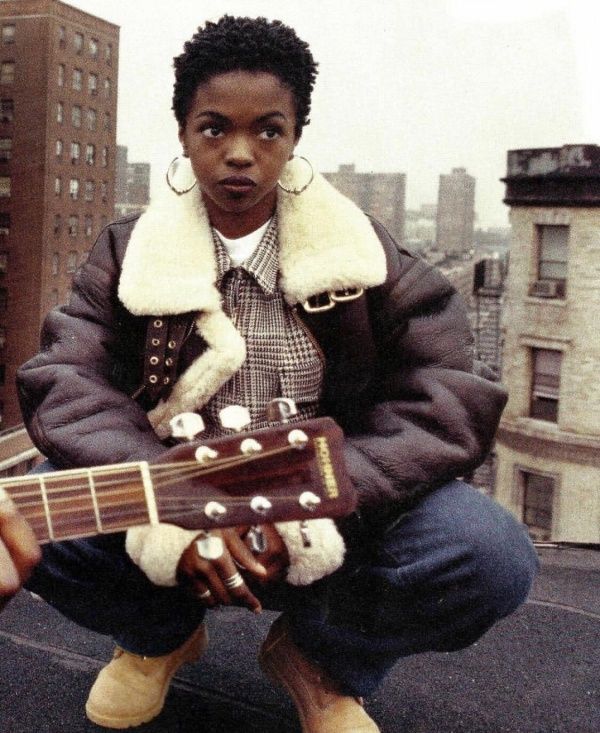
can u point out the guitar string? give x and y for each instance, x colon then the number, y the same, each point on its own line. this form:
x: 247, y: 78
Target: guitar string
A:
x: 167, y: 474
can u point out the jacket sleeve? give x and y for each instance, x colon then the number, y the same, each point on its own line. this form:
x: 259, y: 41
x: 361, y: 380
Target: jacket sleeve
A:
x: 73, y: 404
x: 431, y: 418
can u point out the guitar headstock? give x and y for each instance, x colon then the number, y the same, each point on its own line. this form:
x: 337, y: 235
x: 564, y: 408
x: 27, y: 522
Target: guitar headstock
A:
x: 286, y: 472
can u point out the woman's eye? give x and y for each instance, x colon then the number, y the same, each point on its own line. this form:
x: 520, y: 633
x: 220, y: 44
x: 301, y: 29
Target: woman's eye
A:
x: 212, y: 132
x: 270, y: 133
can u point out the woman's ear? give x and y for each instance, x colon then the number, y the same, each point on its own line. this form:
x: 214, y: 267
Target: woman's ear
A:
x: 181, y: 137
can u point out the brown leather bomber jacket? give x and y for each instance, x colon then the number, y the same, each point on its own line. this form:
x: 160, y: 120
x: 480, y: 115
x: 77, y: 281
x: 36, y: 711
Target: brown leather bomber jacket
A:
x: 399, y: 376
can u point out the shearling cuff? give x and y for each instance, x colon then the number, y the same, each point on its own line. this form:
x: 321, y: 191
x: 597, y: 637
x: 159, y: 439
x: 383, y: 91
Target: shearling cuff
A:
x: 156, y: 549
x: 323, y: 557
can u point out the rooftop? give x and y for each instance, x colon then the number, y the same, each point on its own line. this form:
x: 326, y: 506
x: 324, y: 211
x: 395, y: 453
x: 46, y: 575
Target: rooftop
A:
x: 535, y: 672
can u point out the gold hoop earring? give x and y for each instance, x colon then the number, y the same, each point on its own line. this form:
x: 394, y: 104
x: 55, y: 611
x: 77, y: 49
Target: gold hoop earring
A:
x: 178, y: 191
x: 298, y: 191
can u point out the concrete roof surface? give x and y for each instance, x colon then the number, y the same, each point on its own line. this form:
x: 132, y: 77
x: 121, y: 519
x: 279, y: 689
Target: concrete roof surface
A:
x: 535, y: 672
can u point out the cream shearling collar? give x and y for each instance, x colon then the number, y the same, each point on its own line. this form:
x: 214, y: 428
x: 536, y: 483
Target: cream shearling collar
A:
x: 326, y: 243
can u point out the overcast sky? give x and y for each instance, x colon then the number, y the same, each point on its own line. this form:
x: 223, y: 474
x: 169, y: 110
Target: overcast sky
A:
x: 418, y: 86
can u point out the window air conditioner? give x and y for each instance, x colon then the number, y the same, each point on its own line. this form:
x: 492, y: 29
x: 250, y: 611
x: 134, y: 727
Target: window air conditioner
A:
x: 546, y: 289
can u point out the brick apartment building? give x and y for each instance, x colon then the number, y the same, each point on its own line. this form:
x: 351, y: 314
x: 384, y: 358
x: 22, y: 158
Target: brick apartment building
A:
x: 379, y: 194
x: 58, y: 104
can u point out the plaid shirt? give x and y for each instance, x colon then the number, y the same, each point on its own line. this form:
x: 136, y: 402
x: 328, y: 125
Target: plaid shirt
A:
x: 282, y: 358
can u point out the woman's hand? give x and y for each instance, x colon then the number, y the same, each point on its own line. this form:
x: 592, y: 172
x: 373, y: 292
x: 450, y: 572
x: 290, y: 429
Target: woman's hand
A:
x: 218, y: 581
x: 208, y: 579
x: 19, y: 550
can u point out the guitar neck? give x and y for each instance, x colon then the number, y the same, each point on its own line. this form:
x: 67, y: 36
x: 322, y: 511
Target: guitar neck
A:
x: 82, y: 502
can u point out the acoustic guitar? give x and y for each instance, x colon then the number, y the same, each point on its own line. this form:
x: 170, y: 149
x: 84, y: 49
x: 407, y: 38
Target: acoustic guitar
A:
x: 287, y: 472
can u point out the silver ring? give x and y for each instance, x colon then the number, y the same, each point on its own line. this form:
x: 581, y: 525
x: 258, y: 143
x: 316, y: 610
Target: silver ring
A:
x: 234, y: 581
x: 209, y: 546
x: 205, y: 595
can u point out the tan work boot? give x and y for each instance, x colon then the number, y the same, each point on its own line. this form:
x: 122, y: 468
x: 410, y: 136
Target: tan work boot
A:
x: 321, y: 706
x: 131, y: 689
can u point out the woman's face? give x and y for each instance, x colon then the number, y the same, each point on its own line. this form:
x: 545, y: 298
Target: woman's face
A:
x: 239, y: 134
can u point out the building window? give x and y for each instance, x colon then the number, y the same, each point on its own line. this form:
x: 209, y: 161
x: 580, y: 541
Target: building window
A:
x: 107, y: 121
x: 90, y: 154
x: 3, y: 262
x: 108, y: 53
x: 54, y: 297
x: 552, y: 261
x: 76, y: 115
x: 57, y: 186
x: 2, y: 340
x: 8, y: 33
x: 538, y: 498
x: 104, y: 156
x: 59, y: 148
x: 61, y: 75
x: 89, y: 188
x: 73, y: 225
x: 75, y: 152
x: 4, y: 224
x: 93, y: 46
x: 71, y: 262
x: 107, y: 87
x: 55, y: 263
x: 7, y: 72
x: 88, y: 225
x: 5, y: 187
x: 5, y: 149
x: 3, y: 298
x: 60, y: 112
x: 545, y: 384
x: 7, y: 110
x: 77, y: 79
x: 104, y: 191
x: 92, y: 119
x: 62, y: 36
x: 74, y: 188
x: 78, y: 42
x: 93, y: 83
x: 57, y: 224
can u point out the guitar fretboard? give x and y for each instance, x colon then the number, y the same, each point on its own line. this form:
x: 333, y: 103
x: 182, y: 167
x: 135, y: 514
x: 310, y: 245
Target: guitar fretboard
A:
x: 84, y: 502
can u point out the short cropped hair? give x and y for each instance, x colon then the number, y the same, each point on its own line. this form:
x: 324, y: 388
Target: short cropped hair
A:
x: 246, y: 44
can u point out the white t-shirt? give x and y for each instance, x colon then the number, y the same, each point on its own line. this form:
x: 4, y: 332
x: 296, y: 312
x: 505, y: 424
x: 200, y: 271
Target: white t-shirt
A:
x: 241, y: 248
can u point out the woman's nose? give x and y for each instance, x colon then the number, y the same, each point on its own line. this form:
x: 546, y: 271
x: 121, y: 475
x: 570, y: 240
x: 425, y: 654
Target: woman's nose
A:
x: 239, y: 152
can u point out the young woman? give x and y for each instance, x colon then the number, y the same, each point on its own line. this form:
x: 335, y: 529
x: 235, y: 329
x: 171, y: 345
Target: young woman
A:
x: 214, y: 297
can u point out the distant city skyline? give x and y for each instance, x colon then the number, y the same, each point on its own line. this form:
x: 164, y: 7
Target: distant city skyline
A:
x: 416, y: 89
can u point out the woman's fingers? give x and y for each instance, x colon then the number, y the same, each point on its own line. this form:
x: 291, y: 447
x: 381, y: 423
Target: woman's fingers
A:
x: 19, y: 550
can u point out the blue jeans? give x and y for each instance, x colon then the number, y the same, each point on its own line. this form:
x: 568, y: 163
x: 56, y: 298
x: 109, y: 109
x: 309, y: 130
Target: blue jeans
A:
x: 435, y: 579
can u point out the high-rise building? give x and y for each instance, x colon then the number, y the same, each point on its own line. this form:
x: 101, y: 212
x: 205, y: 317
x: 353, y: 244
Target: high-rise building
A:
x: 132, y: 187
x: 58, y: 104
x: 379, y: 194
x: 455, y: 212
x: 548, y: 445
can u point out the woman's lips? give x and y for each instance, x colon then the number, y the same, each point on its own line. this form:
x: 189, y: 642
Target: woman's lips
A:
x: 237, y: 184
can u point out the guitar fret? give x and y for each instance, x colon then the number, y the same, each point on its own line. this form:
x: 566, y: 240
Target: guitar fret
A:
x: 46, y: 506
x: 92, y: 486
x: 149, y: 492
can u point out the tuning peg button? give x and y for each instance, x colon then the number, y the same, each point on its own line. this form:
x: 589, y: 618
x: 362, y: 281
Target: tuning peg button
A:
x: 205, y: 454
x: 260, y: 504
x: 309, y: 501
x: 250, y: 447
x: 214, y: 510
x: 297, y: 439
x: 186, y: 425
x: 281, y: 409
x: 234, y: 417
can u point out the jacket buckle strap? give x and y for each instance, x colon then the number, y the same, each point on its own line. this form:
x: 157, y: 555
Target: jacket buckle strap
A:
x: 327, y: 300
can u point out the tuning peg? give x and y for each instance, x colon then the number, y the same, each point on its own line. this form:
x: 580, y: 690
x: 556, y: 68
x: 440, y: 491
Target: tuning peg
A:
x: 205, y: 454
x: 260, y: 504
x: 297, y: 438
x: 250, y: 447
x: 186, y: 425
x: 234, y: 417
x: 309, y: 501
x: 214, y: 510
x: 281, y: 409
